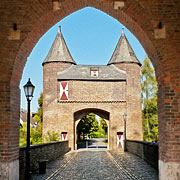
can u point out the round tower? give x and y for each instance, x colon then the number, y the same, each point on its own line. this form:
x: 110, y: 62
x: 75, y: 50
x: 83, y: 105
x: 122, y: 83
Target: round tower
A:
x: 125, y: 59
x: 57, y: 60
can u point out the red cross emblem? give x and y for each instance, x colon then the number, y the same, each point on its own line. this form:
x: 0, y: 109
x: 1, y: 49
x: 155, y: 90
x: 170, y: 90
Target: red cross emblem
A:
x: 64, y: 91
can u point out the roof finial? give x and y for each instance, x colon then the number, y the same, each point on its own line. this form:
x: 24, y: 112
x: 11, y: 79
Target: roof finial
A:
x: 59, y: 51
x: 123, y: 52
x: 59, y: 29
x: 122, y: 32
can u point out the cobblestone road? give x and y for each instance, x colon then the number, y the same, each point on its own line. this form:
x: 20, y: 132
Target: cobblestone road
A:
x: 98, y: 165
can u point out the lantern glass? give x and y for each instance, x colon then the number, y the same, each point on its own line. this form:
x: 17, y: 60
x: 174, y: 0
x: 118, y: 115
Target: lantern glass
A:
x: 125, y: 116
x: 29, y: 89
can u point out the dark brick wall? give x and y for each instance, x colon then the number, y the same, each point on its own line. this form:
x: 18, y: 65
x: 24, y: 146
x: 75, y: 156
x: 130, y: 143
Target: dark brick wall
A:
x: 48, y: 151
x: 146, y: 150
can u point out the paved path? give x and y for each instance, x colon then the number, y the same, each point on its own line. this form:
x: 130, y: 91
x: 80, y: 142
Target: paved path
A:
x: 97, y: 143
x: 94, y: 143
x: 98, y: 165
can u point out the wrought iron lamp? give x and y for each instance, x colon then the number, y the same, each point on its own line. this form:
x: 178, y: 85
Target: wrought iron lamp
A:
x: 29, y: 90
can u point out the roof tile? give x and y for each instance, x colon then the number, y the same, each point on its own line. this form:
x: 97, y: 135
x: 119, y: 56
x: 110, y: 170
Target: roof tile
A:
x: 59, y: 51
x: 83, y: 72
x: 123, y: 52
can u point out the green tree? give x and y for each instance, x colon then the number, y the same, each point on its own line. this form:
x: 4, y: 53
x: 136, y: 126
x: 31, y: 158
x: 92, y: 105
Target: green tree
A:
x: 40, y: 108
x: 52, y: 136
x: 103, y: 125
x: 88, y: 125
x: 149, y: 102
x: 36, y: 133
x: 23, y: 134
x: 35, y: 138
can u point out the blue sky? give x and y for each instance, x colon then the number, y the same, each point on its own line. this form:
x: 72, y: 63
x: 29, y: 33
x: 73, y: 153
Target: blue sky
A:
x: 91, y: 37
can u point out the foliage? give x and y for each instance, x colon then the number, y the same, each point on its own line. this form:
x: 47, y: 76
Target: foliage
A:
x: 40, y: 108
x: 150, y: 120
x: 52, y: 136
x: 149, y: 83
x: 87, y: 125
x: 103, y: 125
x: 95, y: 134
x: 35, y: 138
x: 149, y: 102
x: 23, y: 133
x: 36, y: 133
x: 94, y: 125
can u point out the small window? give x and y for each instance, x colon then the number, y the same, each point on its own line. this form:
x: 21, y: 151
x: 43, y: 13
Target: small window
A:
x: 120, y: 140
x: 94, y: 72
x: 64, y: 136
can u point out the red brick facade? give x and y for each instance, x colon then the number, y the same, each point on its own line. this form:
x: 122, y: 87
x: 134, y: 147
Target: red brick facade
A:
x: 154, y: 23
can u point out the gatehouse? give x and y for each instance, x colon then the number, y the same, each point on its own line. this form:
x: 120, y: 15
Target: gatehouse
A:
x: 71, y: 91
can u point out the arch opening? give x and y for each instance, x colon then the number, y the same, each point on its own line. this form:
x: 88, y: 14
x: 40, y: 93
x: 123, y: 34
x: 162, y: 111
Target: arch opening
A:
x: 91, y: 129
x: 101, y: 57
x: 165, y: 61
x: 137, y: 132
x: 40, y: 30
x: 92, y: 132
x: 107, y: 117
x: 100, y: 92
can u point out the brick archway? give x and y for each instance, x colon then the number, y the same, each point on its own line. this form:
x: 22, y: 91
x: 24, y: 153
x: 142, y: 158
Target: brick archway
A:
x: 78, y: 115
x: 83, y: 112
x: 23, y: 23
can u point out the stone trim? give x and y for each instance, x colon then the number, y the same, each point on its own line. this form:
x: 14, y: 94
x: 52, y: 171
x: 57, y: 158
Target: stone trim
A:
x: 65, y: 102
x: 169, y: 170
x: 9, y: 170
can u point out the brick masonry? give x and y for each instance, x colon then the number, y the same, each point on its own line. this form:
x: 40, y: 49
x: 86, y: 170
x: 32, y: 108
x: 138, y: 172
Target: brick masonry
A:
x: 145, y: 150
x: 48, y: 151
x: 104, y: 97
x: 34, y: 18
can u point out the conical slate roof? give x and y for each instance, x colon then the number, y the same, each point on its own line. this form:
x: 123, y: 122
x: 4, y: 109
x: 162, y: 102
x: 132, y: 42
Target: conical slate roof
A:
x: 59, y: 51
x: 123, y: 52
